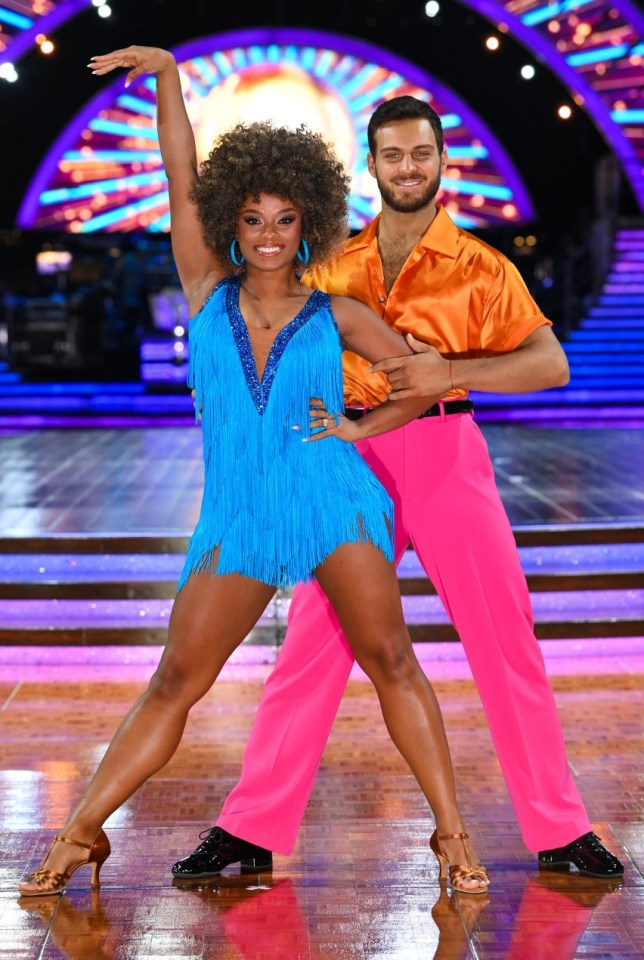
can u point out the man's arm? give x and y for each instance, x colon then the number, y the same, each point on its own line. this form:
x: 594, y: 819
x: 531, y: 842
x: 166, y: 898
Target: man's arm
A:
x: 366, y: 334
x: 537, y: 363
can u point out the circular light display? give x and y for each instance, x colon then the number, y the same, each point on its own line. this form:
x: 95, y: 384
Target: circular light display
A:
x: 105, y: 170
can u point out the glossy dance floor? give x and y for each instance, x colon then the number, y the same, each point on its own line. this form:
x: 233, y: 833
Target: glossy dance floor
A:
x: 361, y: 883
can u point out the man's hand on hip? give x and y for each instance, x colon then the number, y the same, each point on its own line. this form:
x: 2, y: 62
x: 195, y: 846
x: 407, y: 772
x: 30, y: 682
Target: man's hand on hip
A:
x: 423, y: 374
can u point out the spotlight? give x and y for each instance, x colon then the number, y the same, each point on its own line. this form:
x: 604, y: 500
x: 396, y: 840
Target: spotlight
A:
x: 46, y: 47
x: 179, y: 331
x: 104, y: 10
x: 492, y: 43
x: 432, y: 8
x: 8, y: 72
x: 564, y: 112
x: 98, y: 3
x: 528, y: 71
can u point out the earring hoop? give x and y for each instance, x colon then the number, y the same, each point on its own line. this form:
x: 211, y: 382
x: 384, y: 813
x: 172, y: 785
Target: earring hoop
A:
x: 303, y: 253
x: 238, y: 260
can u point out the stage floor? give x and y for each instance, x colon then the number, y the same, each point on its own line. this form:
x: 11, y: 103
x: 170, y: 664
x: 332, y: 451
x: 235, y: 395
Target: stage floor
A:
x: 150, y: 480
x: 361, y: 883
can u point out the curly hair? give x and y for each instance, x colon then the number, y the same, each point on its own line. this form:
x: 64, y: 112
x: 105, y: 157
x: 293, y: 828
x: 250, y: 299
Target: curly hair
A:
x: 294, y: 164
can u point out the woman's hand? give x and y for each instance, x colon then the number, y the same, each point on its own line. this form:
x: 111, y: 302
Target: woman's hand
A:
x: 328, y: 426
x: 193, y: 394
x: 137, y: 60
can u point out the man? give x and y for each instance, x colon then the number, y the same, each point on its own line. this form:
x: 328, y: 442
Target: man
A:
x: 432, y: 281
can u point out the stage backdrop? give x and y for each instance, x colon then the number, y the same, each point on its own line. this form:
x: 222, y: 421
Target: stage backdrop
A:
x: 104, y: 172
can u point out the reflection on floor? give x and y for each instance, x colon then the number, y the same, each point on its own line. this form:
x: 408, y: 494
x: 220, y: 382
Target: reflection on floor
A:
x: 361, y: 882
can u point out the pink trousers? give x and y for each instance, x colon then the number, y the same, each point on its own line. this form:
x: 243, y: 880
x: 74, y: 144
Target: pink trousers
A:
x: 440, y: 477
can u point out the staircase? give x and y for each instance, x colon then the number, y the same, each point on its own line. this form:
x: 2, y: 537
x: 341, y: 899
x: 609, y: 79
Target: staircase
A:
x: 585, y: 581
x: 605, y: 353
x: 7, y: 376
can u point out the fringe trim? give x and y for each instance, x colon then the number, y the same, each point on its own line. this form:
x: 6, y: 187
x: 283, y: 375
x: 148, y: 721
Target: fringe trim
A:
x: 276, y: 507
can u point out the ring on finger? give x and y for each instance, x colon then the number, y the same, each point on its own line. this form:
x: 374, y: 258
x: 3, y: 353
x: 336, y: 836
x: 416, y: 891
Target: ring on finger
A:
x: 325, y: 423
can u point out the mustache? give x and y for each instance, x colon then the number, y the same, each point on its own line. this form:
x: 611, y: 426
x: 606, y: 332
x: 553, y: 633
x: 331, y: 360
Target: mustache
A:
x: 416, y: 176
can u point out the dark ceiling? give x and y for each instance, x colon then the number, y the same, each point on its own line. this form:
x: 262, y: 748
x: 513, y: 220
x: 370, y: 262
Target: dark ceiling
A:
x: 557, y: 159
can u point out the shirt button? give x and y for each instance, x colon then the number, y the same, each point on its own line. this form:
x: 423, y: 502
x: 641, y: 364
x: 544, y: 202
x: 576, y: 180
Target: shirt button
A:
x: 382, y: 299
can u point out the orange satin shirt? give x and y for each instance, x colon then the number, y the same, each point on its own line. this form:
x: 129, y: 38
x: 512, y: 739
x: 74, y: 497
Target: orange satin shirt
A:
x: 454, y: 291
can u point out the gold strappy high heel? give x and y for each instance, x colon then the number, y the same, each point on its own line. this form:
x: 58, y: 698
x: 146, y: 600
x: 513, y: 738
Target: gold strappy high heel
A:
x: 50, y: 883
x: 459, y: 874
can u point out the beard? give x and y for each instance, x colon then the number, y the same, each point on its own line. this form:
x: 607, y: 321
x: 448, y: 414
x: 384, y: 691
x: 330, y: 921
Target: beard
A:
x: 403, y: 203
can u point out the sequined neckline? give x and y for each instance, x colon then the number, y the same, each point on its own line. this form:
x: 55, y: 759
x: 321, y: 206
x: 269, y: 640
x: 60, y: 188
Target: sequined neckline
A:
x: 260, y: 389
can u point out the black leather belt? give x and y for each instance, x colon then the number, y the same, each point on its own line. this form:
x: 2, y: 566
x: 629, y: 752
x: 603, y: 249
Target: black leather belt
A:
x: 449, y: 406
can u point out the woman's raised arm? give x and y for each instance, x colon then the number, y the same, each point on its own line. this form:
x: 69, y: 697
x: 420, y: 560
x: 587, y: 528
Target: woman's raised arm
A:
x: 199, y: 270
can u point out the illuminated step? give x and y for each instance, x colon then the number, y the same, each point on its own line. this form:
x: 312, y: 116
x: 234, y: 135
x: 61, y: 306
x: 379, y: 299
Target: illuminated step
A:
x: 557, y: 614
x: 622, y: 367
x: 154, y: 352
x: 629, y: 326
x: 595, y: 381
x: 164, y: 372
x: 130, y: 576
x: 565, y: 417
x: 565, y: 396
x: 78, y: 389
x: 150, y: 404
x: 609, y: 300
x: 621, y: 286
x: 601, y: 333
x: 596, y: 346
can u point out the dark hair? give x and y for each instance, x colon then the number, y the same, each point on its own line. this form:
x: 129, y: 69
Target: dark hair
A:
x: 403, y: 108
x: 294, y: 164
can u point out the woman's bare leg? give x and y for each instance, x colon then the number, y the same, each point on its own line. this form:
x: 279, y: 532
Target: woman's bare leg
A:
x: 210, y: 618
x: 363, y: 589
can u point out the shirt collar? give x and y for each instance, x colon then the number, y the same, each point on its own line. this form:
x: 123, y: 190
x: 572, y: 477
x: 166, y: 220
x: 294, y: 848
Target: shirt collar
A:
x: 441, y: 235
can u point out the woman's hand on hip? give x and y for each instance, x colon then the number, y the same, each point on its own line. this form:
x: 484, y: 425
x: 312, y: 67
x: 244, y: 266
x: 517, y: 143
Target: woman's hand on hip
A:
x: 326, y: 425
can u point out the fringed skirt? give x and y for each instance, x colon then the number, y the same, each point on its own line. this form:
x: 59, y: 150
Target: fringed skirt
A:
x: 275, y: 508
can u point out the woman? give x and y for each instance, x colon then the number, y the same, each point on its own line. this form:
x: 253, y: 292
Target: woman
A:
x: 278, y: 505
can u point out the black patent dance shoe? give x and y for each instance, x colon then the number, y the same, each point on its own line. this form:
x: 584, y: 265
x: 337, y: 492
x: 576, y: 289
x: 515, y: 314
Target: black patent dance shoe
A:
x: 218, y: 850
x: 587, y: 853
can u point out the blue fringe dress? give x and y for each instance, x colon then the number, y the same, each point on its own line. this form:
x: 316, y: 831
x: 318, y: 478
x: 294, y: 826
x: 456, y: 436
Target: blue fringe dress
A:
x: 275, y: 507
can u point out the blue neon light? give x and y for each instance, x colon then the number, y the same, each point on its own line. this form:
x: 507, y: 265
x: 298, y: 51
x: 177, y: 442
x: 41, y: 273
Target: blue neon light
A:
x: 104, y: 186
x: 205, y: 68
x: 357, y: 81
x: 551, y: 11
x: 377, y: 93
x: 472, y: 187
x: 15, y: 19
x: 597, y: 55
x: 462, y: 221
x: 125, y: 129
x: 146, y: 156
x: 136, y: 105
x: 627, y: 116
x: 324, y: 64
x: 307, y: 58
x: 112, y: 216
x: 463, y: 153
x: 225, y: 68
